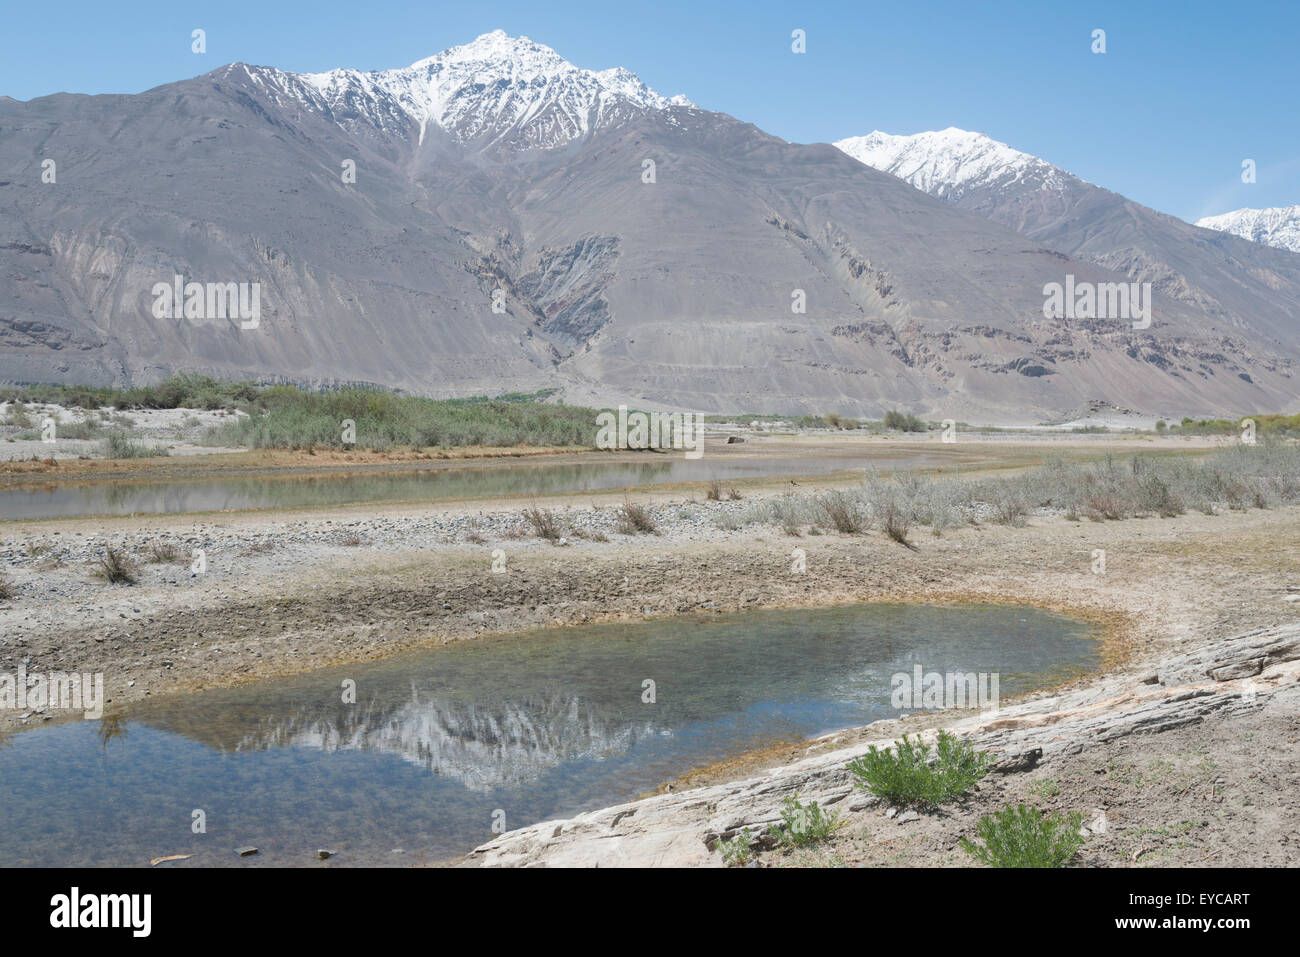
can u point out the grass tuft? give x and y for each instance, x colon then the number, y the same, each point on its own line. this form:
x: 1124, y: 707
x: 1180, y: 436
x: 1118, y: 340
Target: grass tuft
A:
x: 116, y: 567
x: 544, y: 523
x: 118, y: 445
x: 634, y: 519
x: 165, y: 553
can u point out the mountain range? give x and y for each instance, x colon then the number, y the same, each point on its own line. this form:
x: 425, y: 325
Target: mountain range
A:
x: 495, y: 219
x: 1279, y: 226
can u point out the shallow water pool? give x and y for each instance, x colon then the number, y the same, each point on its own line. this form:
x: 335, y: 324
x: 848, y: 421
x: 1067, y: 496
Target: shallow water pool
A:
x: 529, y: 728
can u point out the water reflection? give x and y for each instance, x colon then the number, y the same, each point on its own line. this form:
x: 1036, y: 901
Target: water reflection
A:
x: 519, y: 480
x: 539, y: 726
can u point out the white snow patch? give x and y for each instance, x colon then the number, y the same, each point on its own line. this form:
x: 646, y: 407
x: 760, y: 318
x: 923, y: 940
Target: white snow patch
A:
x: 1278, y: 226
x: 948, y: 163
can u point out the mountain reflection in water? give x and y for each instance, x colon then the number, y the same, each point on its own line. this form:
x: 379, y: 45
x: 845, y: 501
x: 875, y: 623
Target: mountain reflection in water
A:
x: 539, y: 726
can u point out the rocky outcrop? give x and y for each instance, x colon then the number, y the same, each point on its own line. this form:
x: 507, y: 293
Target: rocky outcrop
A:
x: 1241, y: 656
x: 1231, y: 675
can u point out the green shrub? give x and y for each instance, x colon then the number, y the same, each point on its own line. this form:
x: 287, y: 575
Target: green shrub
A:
x: 19, y: 417
x: 903, y: 422
x: 1022, y: 836
x: 117, y: 445
x: 736, y: 851
x: 1046, y: 787
x: 91, y: 428
x: 906, y: 775
x: 803, y: 824
x: 290, y: 418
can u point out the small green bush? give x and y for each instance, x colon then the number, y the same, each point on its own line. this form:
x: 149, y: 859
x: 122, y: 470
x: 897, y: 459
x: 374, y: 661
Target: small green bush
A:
x: 736, y: 852
x: 803, y: 824
x: 905, y: 775
x: 1023, y: 836
x: 903, y: 421
x: 116, y: 445
x: 19, y: 417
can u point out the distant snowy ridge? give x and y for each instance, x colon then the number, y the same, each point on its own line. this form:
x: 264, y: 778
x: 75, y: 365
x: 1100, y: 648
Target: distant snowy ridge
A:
x: 948, y: 163
x: 496, y: 90
x: 1278, y: 226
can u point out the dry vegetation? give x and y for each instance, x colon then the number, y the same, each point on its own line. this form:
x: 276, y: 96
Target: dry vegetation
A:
x: 1259, y: 476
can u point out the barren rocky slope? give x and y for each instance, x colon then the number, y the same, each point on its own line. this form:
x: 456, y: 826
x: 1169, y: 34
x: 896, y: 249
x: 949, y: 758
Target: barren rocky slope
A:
x: 676, y: 289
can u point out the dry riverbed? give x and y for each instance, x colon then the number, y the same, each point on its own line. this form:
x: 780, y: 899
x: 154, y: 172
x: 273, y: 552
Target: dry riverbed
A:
x: 287, y: 593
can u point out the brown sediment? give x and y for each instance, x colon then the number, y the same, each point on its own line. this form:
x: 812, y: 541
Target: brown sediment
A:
x: 1007, y: 453
x: 262, y: 461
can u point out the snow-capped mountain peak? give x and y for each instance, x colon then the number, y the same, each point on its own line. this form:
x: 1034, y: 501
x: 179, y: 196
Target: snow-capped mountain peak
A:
x: 948, y: 163
x: 1278, y: 226
x: 495, y: 90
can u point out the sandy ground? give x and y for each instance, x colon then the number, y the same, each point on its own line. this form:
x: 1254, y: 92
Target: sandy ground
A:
x: 173, y: 432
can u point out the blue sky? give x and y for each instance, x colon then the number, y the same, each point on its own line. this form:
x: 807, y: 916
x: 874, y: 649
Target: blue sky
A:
x: 1184, y: 93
